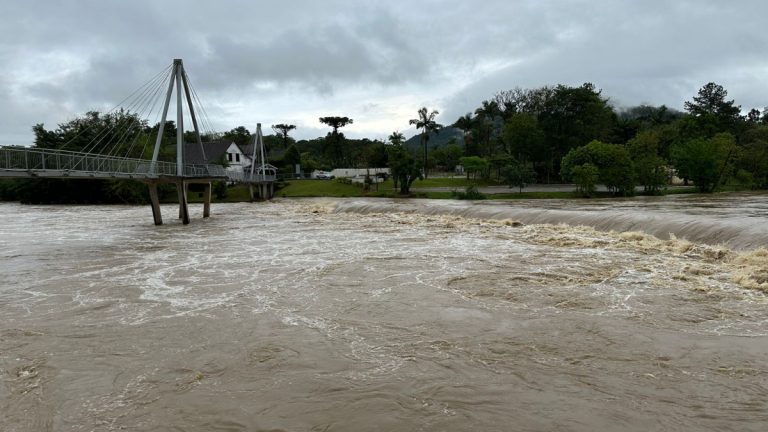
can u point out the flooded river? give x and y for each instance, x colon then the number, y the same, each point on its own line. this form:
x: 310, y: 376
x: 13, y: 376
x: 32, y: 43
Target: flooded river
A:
x: 383, y: 315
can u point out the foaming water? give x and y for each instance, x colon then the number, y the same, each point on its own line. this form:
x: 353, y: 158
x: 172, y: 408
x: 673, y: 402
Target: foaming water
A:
x: 738, y: 221
x: 385, y: 315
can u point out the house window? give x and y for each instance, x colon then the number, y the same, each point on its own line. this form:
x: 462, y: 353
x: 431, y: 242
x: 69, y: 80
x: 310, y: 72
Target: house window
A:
x: 237, y: 156
x: 229, y: 157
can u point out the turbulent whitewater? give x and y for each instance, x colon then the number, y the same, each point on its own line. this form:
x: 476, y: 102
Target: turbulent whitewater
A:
x: 352, y: 315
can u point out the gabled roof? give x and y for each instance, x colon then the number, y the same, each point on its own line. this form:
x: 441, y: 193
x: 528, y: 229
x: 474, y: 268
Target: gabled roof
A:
x: 247, y: 149
x: 214, y: 152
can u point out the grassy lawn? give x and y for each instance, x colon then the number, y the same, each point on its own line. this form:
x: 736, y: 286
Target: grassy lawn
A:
x: 319, y: 188
x: 333, y: 188
x: 460, y: 182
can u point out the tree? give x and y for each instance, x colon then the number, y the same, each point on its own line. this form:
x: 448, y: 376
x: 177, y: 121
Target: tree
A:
x: 488, y: 126
x: 375, y: 155
x: 334, y: 149
x: 291, y: 158
x: 282, y: 131
x: 713, y: 113
x: 524, y: 138
x: 466, y: 123
x: 396, y: 138
x: 649, y: 167
x: 753, y: 116
x: 447, y: 157
x: 426, y: 122
x: 519, y: 174
x: 572, y: 117
x: 403, y: 168
x: 239, y: 135
x: 586, y: 177
x: 613, y: 162
x: 475, y: 165
x: 706, y: 161
x: 753, y: 157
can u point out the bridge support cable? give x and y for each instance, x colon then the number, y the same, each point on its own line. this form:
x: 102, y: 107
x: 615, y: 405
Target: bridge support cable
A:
x: 114, y: 109
x: 144, y: 110
x: 122, y: 122
x: 155, y: 100
x: 203, y: 114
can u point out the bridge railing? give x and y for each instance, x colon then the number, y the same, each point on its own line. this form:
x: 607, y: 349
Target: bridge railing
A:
x: 35, y: 159
x: 64, y: 162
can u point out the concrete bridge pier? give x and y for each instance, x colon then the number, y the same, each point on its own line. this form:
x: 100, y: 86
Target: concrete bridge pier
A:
x: 207, y: 200
x: 155, y: 200
x: 181, y: 187
x: 257, y: 193
x: 261, y: 191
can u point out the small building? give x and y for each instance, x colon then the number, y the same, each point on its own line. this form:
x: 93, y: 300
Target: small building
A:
x: 358, y: 172
x: 238, y: 158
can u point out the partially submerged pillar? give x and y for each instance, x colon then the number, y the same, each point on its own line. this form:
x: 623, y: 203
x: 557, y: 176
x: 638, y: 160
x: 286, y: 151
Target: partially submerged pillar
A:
x: 181, y: 187
x: 207, y: 200
x: 155, y: 200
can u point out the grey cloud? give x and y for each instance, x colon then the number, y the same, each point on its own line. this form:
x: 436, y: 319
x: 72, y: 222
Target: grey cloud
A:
x: 321, y: 57
x: 652, y: 51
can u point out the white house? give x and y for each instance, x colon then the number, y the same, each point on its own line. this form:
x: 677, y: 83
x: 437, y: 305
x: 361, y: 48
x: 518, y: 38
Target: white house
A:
x: 237, y: 157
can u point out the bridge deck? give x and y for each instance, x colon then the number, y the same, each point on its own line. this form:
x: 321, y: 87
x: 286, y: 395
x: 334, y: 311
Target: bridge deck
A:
x: 51, y: 163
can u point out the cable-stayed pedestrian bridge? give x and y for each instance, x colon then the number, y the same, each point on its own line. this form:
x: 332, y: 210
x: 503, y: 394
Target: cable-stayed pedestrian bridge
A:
x: 32, y: 162
x: 111, y: 151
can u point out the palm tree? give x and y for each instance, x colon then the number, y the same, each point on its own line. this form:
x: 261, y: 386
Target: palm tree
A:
x: 426, y: 122
x: 397, y: 138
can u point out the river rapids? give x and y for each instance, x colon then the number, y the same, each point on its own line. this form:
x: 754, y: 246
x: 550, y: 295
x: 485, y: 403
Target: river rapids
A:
x: 387, y: 315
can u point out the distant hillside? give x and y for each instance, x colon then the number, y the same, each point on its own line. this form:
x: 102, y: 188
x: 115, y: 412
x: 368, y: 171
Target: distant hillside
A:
x: 441, y: 139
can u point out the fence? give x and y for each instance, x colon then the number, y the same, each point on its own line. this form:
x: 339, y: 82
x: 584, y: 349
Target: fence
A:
x: 27, y: 160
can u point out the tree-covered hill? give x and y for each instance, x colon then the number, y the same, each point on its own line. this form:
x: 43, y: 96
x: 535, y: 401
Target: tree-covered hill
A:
x: 442, y: 138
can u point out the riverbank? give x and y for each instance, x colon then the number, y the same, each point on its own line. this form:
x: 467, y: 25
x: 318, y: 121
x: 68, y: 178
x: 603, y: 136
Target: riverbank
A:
x: 442, y: 188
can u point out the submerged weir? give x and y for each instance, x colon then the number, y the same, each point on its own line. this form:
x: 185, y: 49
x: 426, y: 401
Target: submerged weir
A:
x: 360, y: 314
x: 738, y: 221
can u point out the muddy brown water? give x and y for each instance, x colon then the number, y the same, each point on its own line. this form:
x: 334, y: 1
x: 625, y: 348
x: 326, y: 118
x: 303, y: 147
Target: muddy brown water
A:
x: 356, y: 315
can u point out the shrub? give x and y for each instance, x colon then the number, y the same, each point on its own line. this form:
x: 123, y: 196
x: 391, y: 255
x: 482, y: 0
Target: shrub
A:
x: 585, y: 176
x: 470, y: 193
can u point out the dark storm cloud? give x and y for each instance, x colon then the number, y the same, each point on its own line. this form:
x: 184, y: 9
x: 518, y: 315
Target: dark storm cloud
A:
x: 371, y: 51
x: 643, y: 52
x: 378, y: 61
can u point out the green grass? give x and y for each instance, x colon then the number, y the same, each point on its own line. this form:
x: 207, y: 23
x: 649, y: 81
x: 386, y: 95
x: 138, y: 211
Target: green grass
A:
x: 452, y: 182
x: 319, y: 188
x: 332, y: 188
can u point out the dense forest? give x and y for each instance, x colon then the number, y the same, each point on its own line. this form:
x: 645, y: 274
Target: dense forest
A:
x: 551, y: 134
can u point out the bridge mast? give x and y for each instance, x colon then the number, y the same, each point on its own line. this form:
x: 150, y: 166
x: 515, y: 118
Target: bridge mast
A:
x: 178, y: 76
x: 177, y: 65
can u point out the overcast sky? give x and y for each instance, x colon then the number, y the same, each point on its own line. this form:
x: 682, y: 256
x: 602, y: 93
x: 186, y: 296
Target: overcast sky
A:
x: 293, y: 61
